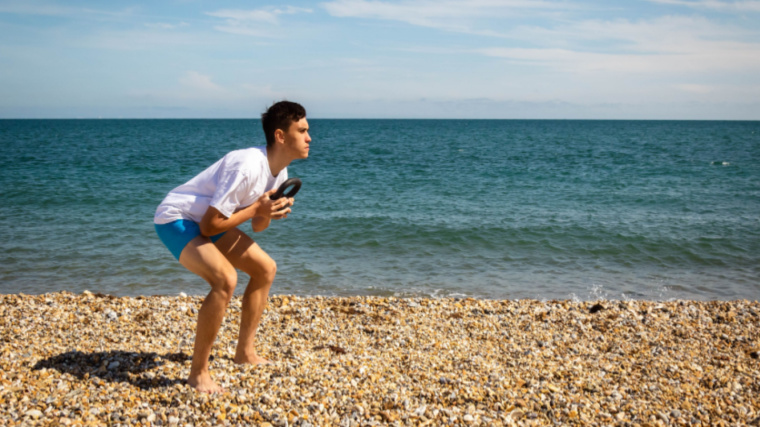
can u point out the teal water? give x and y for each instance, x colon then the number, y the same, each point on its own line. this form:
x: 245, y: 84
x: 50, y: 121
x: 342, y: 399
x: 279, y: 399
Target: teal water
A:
x: 488, y: 209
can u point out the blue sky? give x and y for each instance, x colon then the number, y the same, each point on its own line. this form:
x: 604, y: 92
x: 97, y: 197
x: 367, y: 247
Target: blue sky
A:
x: 567, y: 59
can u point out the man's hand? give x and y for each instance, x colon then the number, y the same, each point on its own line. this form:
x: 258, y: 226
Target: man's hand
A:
x: 274, y: 209
x: 269, y: 209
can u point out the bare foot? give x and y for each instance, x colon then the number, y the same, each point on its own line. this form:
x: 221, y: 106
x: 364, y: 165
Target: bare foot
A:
x: 204, y: 383
x: 254, y: 359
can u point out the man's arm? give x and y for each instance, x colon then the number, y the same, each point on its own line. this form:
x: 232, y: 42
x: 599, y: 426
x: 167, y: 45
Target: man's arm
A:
x: 260, y: 224
x: 214, y: 222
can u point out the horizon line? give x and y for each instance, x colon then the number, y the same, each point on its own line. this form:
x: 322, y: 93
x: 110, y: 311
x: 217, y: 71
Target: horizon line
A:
x: 387, y: 118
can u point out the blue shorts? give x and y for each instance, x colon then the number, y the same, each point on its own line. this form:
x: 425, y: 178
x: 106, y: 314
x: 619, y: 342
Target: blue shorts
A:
x: 176, y: 235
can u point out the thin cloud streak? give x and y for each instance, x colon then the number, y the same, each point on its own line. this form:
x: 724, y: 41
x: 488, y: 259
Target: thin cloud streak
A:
x: 669, y: 44
x: 448, y: 15
x: 411, y: 11
x: 197, y: 81
x: 165, y: 25
x: 719, y: 57
x: 256, y: 22
x: 723, y: 6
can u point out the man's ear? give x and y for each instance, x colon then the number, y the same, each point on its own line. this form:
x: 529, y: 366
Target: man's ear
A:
x: 279, y: 135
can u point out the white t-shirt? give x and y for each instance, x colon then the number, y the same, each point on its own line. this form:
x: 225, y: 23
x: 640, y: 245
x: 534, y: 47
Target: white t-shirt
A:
x: 235, y: 181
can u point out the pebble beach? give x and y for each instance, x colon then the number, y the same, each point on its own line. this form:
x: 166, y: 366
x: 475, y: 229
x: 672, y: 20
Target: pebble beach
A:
x: 93, y: 359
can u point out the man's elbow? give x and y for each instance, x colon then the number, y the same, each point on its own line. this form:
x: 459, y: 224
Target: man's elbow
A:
x: 259, y: 224
x: 209, y: 228
x: 206, y: 230
x: 210, y: 223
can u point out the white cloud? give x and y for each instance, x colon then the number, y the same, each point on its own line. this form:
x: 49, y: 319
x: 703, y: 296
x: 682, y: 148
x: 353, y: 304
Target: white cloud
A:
x: 425, y: 10
x: 257, y: 22
x: 246, y: 15
x: 449, y: 15
x: 719, y: 57
x: 669, y: 44
x: 726, y: 6
x: 200, y: 82
x: 666, y: 43
x: 197, y: 92
x: 198, y: 86
x: 165, y: 25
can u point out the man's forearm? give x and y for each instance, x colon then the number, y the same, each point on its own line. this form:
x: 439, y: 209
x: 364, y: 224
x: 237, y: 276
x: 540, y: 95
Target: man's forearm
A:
x: 214, y: 222
x: 259, y: 224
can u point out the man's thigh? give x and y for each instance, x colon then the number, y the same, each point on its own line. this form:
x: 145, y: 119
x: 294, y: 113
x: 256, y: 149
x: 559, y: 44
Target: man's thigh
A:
x: 203, y: 258
x: 243, y: 253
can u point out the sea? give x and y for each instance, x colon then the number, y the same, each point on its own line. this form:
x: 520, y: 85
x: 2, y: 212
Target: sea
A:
x: 491, y: 209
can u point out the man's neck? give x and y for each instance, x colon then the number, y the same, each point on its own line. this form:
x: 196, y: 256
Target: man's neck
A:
x: 277, y: 160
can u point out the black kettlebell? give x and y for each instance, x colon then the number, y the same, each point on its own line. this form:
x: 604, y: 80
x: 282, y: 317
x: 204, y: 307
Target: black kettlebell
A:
x: 295, y: 183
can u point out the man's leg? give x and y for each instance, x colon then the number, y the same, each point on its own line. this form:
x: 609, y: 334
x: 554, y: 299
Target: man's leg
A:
x: 203, y: 258
x: 247, y: 256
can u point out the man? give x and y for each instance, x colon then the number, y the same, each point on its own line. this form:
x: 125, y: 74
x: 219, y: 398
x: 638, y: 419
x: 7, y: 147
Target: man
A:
x: 197, y: 221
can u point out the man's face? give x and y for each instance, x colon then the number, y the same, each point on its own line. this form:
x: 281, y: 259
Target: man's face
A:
x: 297, y: 138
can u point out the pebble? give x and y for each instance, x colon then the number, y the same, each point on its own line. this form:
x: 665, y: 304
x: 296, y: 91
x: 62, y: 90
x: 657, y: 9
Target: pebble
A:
x: 93, y: 359
x: 34, y: 414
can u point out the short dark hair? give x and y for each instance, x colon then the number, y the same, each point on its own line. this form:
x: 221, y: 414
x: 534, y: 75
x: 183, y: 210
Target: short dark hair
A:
x: 279, y: 116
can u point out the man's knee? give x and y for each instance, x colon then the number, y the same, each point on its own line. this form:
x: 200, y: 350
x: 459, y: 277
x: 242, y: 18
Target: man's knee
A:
x: 271, y: 270
x: 268, y: 269
x: 264, y: 268
x: 226, y: 282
